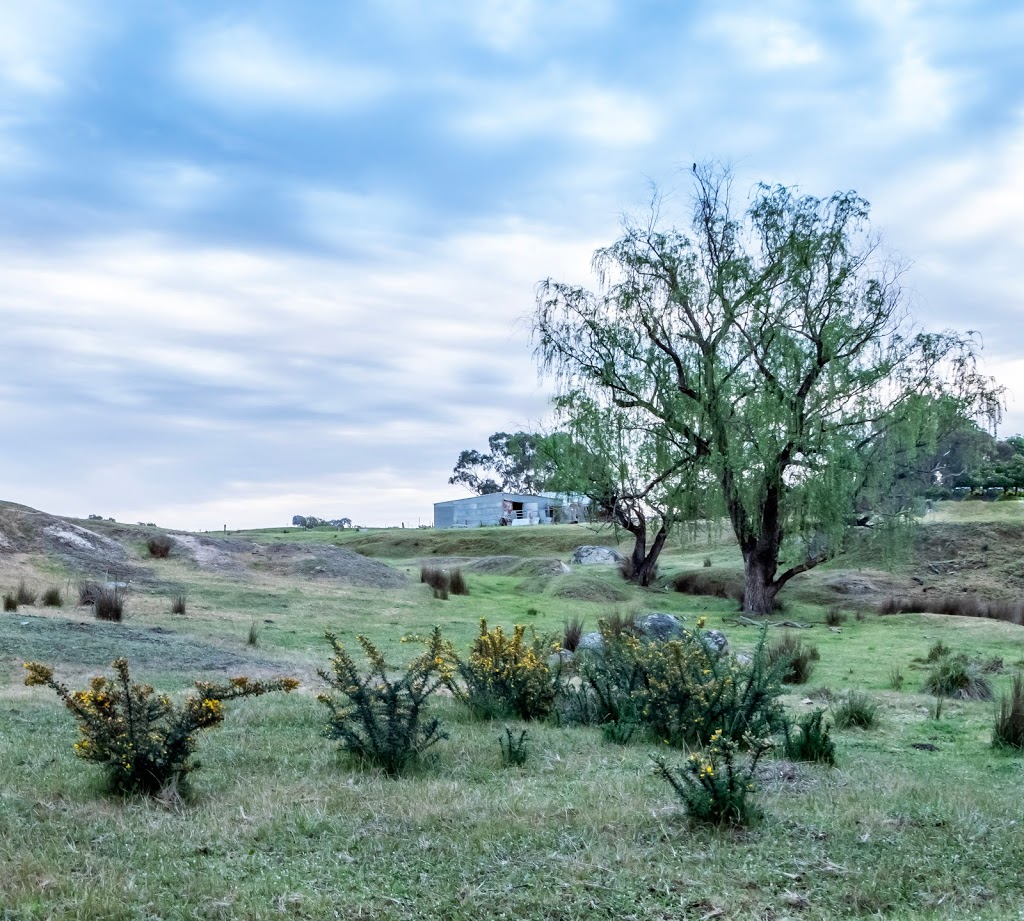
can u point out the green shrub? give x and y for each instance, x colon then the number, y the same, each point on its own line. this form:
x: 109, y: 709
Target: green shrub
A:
x: 159, y: 547
x: 25, y: 595
x: 958, y: 677
x: 52, y: 598
x: 716, y: 784
x: 683, y: 690
x: 504, y: 675
x: 10, y: 602
x: 856, y: 709
x: 143, y: 742
x: 379, y: 719
x: 1008, y: 731
x: 796, y: 659
x: 514, y: 750
x: 809, y: 739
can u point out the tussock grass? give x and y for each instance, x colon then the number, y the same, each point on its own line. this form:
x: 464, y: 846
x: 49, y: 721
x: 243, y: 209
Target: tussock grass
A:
x: 958, y: 677
x: 179, y: 604
x: 159, y: 547
x: 855, y: 710
x: 53, y: 598
x: 10, y: 602
x: 1008, y: 731
x: 715, y: 584
x: 958, y: 605
x: 800, y: 659
x: 572, y: 633
x: 25, y: 595
x: 108, y: 603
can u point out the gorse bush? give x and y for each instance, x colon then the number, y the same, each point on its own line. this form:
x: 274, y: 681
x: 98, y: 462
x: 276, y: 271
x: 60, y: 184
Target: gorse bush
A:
x: 159, y: 547
x: 377, y: 718
x: 958, y: 677
x: 143, y: 742
x: 798, y: 660
x: 504, y: 674
x: 1008, y: 731
x: 809, y: 739
x: 52, y: 598
x: 682, y: 690
x: 717, y: 784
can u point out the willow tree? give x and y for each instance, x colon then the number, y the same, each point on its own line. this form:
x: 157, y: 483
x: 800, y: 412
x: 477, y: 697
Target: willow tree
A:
x: 770, y: 345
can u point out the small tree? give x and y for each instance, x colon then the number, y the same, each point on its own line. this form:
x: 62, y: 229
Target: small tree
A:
x: 765, y: 353
x: 513, y: 464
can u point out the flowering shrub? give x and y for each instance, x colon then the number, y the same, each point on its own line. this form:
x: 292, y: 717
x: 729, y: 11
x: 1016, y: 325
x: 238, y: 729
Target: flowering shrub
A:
x: 683, y: 690
x: 716, y: 783
x: 141, y: 739
x: 379, y: 719
x: 505, y: 675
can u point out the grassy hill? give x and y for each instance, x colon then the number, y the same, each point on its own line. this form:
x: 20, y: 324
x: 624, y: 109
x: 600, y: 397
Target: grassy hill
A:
x: 920, y: 819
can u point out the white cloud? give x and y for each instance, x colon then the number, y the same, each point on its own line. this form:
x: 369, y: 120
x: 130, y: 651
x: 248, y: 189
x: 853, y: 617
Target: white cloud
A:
x: 552, y: 109
x: 242, y: 65
x: 762, y: 42
x: 37, y: 43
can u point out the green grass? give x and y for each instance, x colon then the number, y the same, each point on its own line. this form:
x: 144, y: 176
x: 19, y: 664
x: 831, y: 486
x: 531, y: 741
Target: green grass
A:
x: 279, y: 825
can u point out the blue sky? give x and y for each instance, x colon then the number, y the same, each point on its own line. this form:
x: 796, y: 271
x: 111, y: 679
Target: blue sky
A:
x: 263, y: 259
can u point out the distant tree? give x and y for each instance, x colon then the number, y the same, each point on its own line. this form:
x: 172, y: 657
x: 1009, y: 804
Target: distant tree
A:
x: 513, y: 464
x: 298, y: 521
x: 770, y: 348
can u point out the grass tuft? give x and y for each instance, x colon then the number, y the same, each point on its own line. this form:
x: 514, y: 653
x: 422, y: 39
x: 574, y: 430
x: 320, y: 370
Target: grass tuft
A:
x: 855, y: 709
x: 835, y: 616
x: 178, y: 604
x: 800, y: 658
x: 53, y: 598
x: 108, y: 603
x: 25, y: 595
x: 10, y: 602
x: 572, y: 633
x: 253, y: 637
x: 1008, y: 731
x: 958, y: 677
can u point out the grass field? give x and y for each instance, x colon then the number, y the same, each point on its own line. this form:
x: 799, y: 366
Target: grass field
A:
x: 278, y: 825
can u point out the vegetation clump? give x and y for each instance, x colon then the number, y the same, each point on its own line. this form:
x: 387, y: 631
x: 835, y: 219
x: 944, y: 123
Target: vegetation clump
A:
x: 716, y: 785
x: 1008, y: 731
x: 958, y: 677
x: 159, y: 547
x: 53, y: 598
x: 379, y: 719
x: 179, y: 604
x: 809, y: 739
x: 444, y: 582
x: 143, y: 742
x: 10, y: 602
x: 514, y: 749
x: 108, y: 603
x: 682, y: 690
x: 504, y: 674
x: 24, y: 594
x: 798, y: 660
x: 855, y: 709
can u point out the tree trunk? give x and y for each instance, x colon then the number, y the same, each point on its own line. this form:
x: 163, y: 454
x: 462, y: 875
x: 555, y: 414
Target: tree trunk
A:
x: 759, y: 586
x: 642, y: 566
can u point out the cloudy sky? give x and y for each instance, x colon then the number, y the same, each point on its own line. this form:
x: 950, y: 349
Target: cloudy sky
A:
x: 269, y: 258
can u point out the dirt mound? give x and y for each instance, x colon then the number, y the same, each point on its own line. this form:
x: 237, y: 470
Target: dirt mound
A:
x: 25, y: 530
x: 584, y: 589
x: 216, y: 554
x: 325, y: 561
x: 517, y: 566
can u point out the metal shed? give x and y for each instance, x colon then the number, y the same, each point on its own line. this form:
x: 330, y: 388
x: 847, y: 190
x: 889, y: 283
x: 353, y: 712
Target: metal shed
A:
x: 477, y: 511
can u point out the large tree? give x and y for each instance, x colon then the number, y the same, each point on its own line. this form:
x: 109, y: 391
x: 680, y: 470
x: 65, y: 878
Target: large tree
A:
x: 771, y: 346
x: 513, y: 464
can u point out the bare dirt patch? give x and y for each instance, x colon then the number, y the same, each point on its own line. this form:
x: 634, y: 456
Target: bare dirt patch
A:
x: 325, y: 561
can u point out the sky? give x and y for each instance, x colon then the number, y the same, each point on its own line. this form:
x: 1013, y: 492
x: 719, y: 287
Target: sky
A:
x: 260, y: 259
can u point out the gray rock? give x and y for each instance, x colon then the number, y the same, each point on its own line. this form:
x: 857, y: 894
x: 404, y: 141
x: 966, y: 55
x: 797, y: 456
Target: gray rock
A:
x: 716, y: 641
x: 590, y: 642
x: 659, y: 626
x: 597, y: 556
x: 742, y: 659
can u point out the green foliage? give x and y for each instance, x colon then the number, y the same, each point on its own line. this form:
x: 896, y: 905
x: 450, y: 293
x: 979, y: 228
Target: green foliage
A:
x: 514, y: 749
x: 716, y: 785
x: 809, y: 739
x: 377, y: 718
x: 143, y: 742
x: 958, y: 677
x: 516, y: 461
x: 796, y: 659
x: 504, y: 675
x: 682, y: 690
x: 855, y: 709
x: 1008, y: 730
x: 53, y: 598
x: 750, y: 364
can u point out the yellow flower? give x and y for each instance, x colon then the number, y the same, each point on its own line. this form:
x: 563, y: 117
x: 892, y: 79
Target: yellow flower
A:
x: 701, y: 621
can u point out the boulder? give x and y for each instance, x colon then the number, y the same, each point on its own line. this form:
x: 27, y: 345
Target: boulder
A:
x: 590, y: 642
x: 715, y: 640
x: 659, y: 626
x: 597, y: 556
